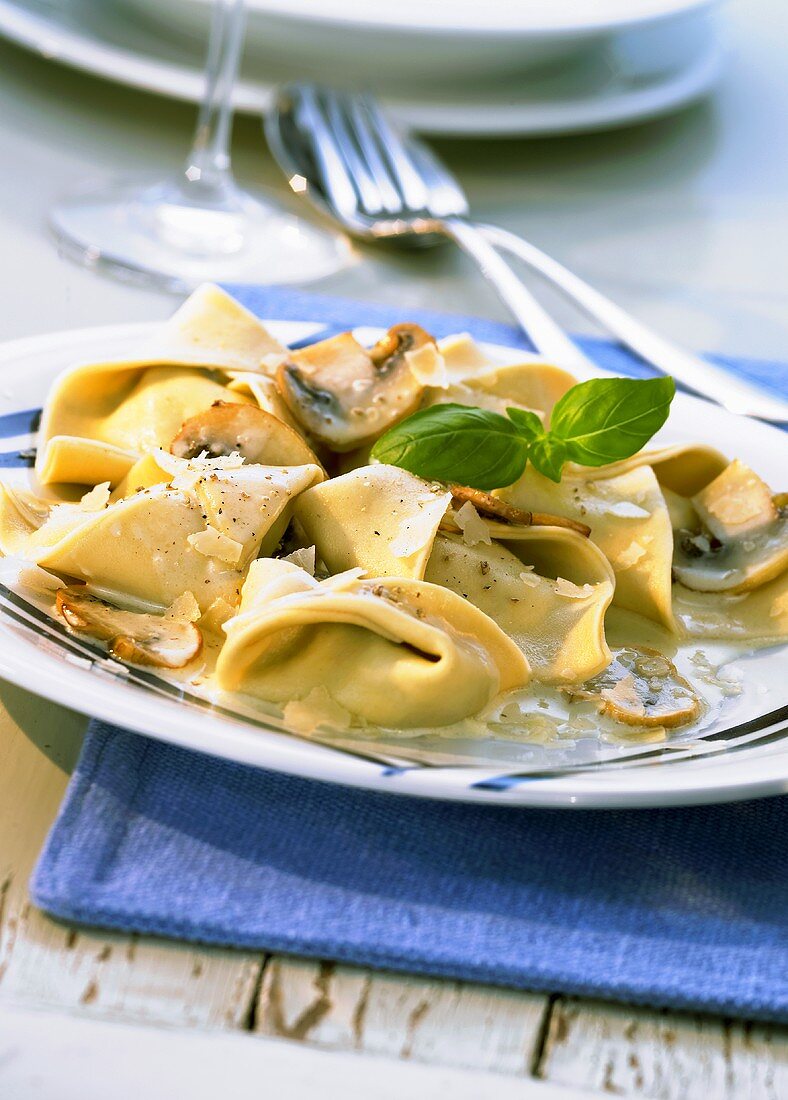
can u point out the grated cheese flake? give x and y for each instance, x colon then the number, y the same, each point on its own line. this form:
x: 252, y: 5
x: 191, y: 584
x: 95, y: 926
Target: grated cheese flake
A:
x: 418, y: 529
x: 627, y: 509
x: 217, y: 614
x: 305, y: 558
x: 428, y: 366
x: 213, y: 544
x: 199, y: 466
x: 474, y: 529
x: 572, y: 591
x: 630, y: 555
x: 97, y: 499
x: 185, y: 609
x: 462, y: 355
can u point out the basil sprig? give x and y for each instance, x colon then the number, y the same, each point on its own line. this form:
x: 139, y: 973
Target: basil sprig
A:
x: 596, y: 422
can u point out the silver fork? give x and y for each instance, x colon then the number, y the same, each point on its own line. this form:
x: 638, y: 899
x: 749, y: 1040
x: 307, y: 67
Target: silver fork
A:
x: 349, y: 159
x: 347, y: 156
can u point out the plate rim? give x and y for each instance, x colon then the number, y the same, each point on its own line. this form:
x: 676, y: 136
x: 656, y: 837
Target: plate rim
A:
x: 371, y: 18
x: 179, y: 80
x: 685, y: 782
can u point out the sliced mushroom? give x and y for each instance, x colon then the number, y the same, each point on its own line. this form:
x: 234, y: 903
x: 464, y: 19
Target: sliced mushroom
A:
x: 739, y: 539
x: 258, y: 436
x: 140, y: 639
x: 344, y: 394
x: 641, y: 687
x: 494, y: 508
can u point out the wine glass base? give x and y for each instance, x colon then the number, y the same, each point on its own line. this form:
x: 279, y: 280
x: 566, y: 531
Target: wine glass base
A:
x: 144, y: 230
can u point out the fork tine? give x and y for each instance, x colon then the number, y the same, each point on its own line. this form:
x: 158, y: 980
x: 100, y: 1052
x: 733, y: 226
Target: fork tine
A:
x: 369, y: 150
x: 334, y: 176
x: 370, y: 198
x: 406, y: 177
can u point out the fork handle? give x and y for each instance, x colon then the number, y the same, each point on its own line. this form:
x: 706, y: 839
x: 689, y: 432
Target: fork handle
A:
x: 695, y: 373
x: 544, y: 333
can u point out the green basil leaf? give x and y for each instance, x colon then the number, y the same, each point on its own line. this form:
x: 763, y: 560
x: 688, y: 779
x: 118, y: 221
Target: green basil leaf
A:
x: 528, y: 423
x: 548, y: 456
x: 607, y: 419
x: 450, y: 442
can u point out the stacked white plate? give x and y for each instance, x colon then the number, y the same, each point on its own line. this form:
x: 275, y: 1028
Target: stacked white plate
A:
x: 445, y: 66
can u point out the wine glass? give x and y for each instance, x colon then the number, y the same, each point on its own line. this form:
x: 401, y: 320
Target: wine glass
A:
x: 199, y: 224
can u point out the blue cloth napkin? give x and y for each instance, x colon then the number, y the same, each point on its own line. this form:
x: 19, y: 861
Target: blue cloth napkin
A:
x: 683, y: 908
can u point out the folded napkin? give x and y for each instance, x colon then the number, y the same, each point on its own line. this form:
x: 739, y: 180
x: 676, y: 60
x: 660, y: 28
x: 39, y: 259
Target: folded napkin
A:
x: 683, y: 908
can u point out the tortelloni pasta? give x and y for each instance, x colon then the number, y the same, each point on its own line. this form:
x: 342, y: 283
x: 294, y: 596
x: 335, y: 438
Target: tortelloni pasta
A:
x: 393, y: 652
x: 101, y: 418
x: 195, y: 533
x: 473, y: 379
x: 547, y: 587
x: 698, y: 544
x: 218, y: 510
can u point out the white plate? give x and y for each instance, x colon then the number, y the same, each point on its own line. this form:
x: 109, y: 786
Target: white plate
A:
x: 638, y: 75
x: 430, y: 43
x: 469, y: 17
x: 744, y: 754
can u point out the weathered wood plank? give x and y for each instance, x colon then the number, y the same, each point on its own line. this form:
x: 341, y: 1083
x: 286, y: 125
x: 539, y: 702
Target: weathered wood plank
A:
x: 441, y: 1022
x: 45, y: 962
x: 95, y: 1060
x: 670, y: 1056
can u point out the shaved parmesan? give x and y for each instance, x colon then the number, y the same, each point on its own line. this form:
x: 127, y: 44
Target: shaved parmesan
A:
x: 529, y: 578
x: 213, y: 544
x: 184, y: 609
x: 200, y: 465
x: 217, y: 615
x: 428, y: 366
x: 737, y: 501
x: 304, y: 558
x: 417, y: 530
x: 97, y: 499
x: 627, y: 509
x: 462, y: 355
x: 630, y: 555
x: 474, y: 529
x: 572, y: 591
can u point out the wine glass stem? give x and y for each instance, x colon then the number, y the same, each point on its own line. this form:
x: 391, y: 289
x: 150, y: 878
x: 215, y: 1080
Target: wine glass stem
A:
x: 207, y: 169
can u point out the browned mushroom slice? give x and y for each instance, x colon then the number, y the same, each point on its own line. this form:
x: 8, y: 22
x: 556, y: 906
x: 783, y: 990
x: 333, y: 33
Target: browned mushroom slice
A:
x: 345, y: 394
x: 140, y: 639
x: 258, y: 436
x: 740, y: 537
x: 641, y: 687
x: 493, y: 508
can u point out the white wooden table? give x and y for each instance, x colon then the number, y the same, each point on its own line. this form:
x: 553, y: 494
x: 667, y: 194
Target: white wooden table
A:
x: 685, y: 223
